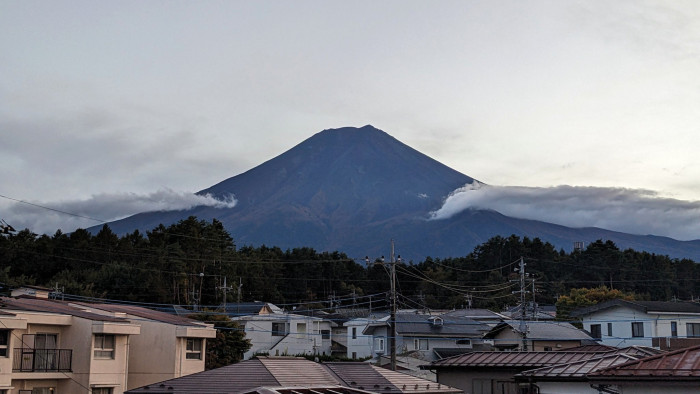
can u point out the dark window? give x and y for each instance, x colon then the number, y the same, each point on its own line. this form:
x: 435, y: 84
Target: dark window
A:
x: 637, y: 330
x: 194, y: 349
x: 674, y: 329
x: 596, y: 331
x: 104, y: 346
x: 354, y: 355
x: 325, y: 334
x: 609, y: 329
x: 693, y: 329
x: 4, y: 342
x: 278, y: 329
x: 547, y: 348
x: 354, y: 333
x: 464, y: 341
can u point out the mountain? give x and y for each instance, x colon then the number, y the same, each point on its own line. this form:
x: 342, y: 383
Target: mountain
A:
x: 355, y: 189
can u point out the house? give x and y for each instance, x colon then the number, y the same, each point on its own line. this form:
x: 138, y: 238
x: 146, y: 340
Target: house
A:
x: 250, y: 308
x: 62, y: 347
x: 421, y: 335
x: 297, y: 376
x: 539, y: 336
x: 569, y: 378
x: 673, y: 372
x: 284, y: 334
x: 358, y: 344
x: 494, y: 372
x: 666, y: 325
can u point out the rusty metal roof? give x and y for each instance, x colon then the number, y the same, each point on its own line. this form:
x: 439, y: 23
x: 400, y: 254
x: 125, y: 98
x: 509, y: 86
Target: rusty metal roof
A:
x: 680, y: 364
x: 576, y: 370
x: 381, y: 380
x: 511, y: 359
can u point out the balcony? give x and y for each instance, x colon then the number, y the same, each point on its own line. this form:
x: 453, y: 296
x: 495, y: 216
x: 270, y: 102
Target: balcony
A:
x: 42, y: 360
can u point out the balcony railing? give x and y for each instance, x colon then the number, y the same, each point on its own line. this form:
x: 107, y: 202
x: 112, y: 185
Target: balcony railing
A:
x: 42, y: 360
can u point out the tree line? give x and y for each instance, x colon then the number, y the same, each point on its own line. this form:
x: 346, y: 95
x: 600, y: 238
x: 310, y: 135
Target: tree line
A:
x: 185, y: 264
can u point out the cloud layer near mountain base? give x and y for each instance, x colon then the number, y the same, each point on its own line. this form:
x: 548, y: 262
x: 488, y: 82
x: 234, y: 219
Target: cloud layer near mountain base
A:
x: 634, y: 211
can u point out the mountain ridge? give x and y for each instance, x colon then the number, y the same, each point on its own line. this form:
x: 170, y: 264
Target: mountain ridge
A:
x: 353, y: 189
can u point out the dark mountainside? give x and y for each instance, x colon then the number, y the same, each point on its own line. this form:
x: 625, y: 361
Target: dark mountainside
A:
x: 355, y: 189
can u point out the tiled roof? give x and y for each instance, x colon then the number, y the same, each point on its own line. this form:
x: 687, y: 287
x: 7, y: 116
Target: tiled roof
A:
x: 577, y: 370
x: 543, y: 330
x: 53, y: 306
x: 681, y: 364
x: 414, y: 324
x: 271, y: 373
x: 144, y: 313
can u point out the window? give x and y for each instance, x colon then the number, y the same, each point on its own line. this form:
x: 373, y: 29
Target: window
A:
x: 420, y: 344
x: 354, y: 355
x: 278, y: 329
x: 547, y: 348
x: 379, y: 344
x: 467, y: 342
x: 674, y: 329
x: 609, y: 329
x: 637, y: 329
x: 325, y: 334
x: 102, y: 390
x: 481, y: 386
x: 596, y: 331
x: 194, y: 349
x: 693, y: 329
x: 354, y: 333
x: 4, y: 343
x: 104, y: 346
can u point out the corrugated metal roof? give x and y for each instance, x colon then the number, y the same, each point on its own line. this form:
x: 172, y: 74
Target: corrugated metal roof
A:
x: 53, y: 306
x: 578, y: 369
x: 510, y: 359
x: 684, y: 363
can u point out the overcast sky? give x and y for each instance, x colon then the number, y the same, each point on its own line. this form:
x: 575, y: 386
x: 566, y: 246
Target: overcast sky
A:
x: 127, y: 104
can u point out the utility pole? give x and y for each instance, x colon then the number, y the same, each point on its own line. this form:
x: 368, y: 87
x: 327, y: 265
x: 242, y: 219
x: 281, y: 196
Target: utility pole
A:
x: 523, y: 326
x: 392, y: 339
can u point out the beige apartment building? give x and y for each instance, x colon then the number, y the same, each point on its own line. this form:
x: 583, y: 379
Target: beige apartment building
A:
x: 58, y: 347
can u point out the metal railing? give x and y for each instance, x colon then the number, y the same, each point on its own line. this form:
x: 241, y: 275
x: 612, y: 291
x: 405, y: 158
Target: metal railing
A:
x: 42, y: 360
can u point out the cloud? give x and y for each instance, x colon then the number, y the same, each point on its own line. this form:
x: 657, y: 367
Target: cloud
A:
x: 635, y: 211
x: 100, y: 208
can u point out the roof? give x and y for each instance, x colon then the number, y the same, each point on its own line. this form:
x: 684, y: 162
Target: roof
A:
x: 644, y: 306
x: 273, y: 373
x: 306, y: 390
x: 145, y: 313
x: 542, y: 330
x: 683, y: 364
x: 424, y: 325
x: 575, y: 370
x: 476, y: 314
x: 53, y: 306
x: 510, y: 359
x: 370, y: 377
x: 249, y: 308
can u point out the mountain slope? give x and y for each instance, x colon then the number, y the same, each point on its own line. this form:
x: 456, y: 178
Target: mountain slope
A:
x: 354, y: 189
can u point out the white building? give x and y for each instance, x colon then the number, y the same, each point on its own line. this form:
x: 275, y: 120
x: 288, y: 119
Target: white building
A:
x: 620, y: 323
x: 286, y: 334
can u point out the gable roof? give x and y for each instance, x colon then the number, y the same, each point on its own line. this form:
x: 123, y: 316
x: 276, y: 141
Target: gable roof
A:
x: 273, y: 373
x: 145, y: 313
x: 683, y: 307
x: 510, y: 359
x: 542, y: 330
x: 683, y: 364
x: 409, y: 324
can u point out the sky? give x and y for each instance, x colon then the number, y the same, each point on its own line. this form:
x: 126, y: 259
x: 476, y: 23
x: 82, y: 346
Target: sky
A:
x: 578, y: 112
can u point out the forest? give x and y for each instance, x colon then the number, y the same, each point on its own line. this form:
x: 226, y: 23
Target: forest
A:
x: 194, y: 262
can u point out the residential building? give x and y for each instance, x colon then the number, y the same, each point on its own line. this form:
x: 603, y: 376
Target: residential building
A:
x: 424, y: 335
x: 666, y: 325
x: 280, y: 374
x: 286, y: 334
x: 59, y: 347
x: 673, y: 372
x: 494, y: 372
x: 540, y: 335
